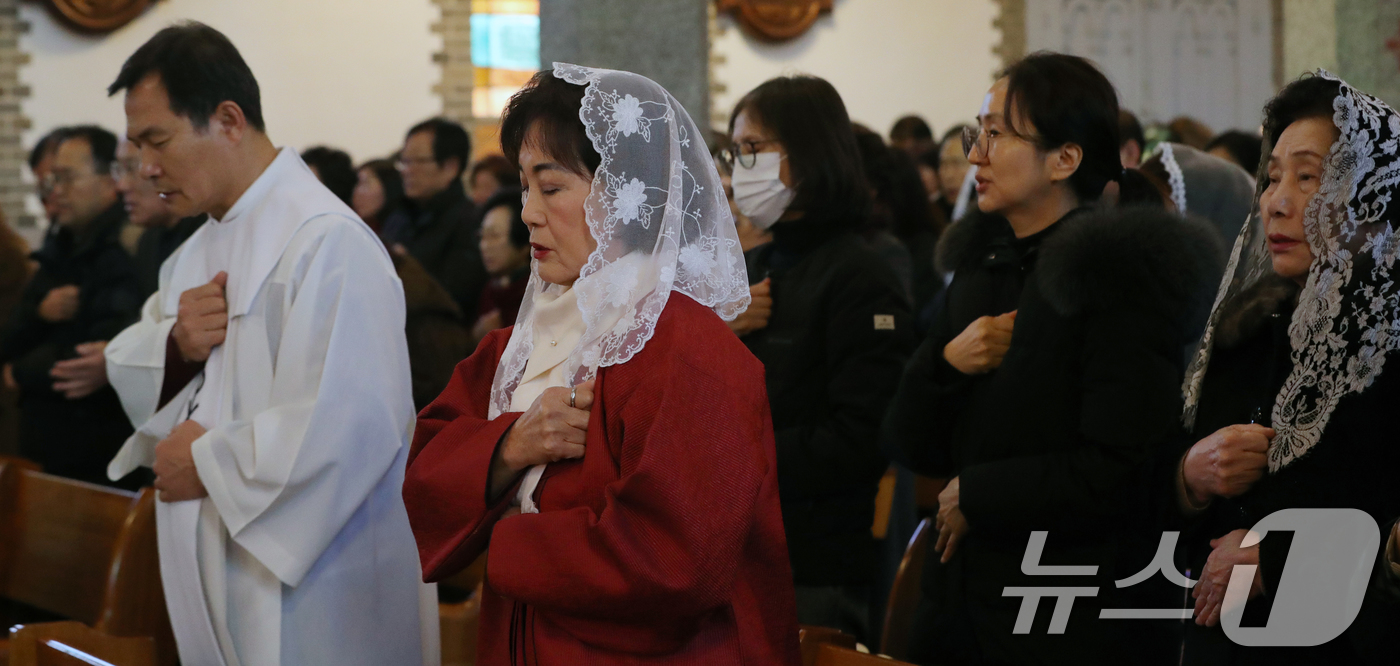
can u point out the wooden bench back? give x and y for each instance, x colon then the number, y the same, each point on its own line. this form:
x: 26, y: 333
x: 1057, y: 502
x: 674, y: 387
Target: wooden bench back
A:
x: 835, y: 655
x: 906, y: 592
x: 75, y: 644
x: 83, y: 551
x: 61, y: 538
x: 810, y: 639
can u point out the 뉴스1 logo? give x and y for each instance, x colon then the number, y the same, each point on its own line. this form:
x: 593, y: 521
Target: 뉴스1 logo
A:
x: 1319, y: 594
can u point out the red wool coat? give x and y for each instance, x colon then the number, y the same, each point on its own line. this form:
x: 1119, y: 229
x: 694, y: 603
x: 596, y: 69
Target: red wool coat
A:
x: 663, y: 545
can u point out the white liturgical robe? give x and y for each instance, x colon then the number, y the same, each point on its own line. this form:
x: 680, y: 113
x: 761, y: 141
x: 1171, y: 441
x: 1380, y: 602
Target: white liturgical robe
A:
x: 302, y: 552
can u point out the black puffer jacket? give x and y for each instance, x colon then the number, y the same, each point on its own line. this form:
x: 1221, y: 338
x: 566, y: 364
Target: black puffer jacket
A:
x: 1051, y: 439
x: 832, y: 352
x: 74, y: 438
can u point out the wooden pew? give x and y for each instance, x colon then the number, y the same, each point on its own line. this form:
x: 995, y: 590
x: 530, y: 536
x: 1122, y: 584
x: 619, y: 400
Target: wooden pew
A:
x: 905, y: 593
x: 835, y: 655
x: 75, y: 644
x: 811, y: 639
x: 84, y: 552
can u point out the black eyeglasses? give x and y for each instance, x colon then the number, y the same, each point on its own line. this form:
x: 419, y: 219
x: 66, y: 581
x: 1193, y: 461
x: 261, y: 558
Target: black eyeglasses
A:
x: 976, y: 137
x: 736, y: 154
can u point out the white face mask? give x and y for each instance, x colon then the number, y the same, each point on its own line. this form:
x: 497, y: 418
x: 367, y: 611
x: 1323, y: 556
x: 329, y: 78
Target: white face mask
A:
x: 760, y: 194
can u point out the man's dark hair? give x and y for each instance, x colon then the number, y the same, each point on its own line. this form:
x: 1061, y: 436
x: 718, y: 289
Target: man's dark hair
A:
x: 552, y: 105
x: 335, y: 170
x: 1129, y: 129
x: 102, y: 143
x: 46, y: 145
x: 1244, y: 147
x: 449, y: 140
x: 911, y: 127
x: 807, y: 116
x: 509, y: 197
x: 200, y: 69
x: 1065, y: 99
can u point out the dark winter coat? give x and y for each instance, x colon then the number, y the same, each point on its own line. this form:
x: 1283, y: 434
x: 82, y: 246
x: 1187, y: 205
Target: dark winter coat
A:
x: 438, y: 338
x: 832, y: 352
x: 157, y: 244
x: 1353, y: 465
x: 1049, y: 440
x: 74, y: 438
x: 441, y: 234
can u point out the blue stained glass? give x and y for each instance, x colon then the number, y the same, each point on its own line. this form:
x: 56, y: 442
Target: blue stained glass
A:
x: 506, y: 41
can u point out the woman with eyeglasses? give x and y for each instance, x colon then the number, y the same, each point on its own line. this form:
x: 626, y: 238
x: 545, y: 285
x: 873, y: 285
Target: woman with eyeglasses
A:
x: 1049, y: 376
x: 832, y: 326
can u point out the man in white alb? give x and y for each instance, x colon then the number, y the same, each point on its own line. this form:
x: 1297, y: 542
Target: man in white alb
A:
x: 268, y: 382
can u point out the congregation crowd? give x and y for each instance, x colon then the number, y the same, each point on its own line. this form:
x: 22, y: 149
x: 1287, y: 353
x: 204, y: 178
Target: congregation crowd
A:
x: 1053, y: 318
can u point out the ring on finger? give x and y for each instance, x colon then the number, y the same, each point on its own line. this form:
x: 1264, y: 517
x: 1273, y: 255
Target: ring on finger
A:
x: 573, y: 395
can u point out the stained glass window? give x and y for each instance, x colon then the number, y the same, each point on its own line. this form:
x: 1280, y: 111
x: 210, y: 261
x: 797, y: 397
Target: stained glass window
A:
x: 505, y: 51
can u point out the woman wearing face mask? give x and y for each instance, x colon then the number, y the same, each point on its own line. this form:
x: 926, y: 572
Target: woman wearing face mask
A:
x: 1051, y: 373
x: 1281, y: 418
x: 612, y: 452
x: 838, y: 334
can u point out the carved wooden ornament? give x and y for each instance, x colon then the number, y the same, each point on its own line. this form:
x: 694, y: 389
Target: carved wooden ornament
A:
x: 99, y: 15
x: 776, y: 20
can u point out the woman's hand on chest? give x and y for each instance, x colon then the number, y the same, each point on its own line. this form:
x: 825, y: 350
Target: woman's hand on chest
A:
x: 552, y: 429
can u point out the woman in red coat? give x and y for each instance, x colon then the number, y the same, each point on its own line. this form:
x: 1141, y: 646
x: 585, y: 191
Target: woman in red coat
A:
x: 612, y: 452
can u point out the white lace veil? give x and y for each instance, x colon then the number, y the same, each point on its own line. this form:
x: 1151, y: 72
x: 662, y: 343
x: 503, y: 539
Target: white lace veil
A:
x: 661, y: 220
x: 1348, y: 313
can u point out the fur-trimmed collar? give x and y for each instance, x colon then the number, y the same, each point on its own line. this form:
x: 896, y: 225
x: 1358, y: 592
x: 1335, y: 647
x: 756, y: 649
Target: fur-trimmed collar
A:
x: 1243, y: 315
x: 1135, y: 257
x: 967, y: 238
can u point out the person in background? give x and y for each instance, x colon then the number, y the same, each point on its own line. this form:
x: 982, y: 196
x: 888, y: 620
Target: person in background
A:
x: 1134, y: 141
x: 878, y: 229
x: 952, y: 169
x: 750, y: 236
x: 87, y: 289
x: 901, y: 206
x: 437, y: 223
x: 912, y: 135
x: 15, y: 269
x: 436, y: 330
x: 335, y: 170
x: 1192, y: 132
x: 163, y: 231
x: 1211, y: 187
x: 1242, y: 148
x: 1052, y: 370
x: 490, y: 175
x: 40, y: 162
x: 505, y: 251
x: 378, y: 192
x: 833, y: 339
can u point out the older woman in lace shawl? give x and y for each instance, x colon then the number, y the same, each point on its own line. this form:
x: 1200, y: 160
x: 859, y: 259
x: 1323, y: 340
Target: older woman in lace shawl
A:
x: 612, y: 452
x: 1290, y: 398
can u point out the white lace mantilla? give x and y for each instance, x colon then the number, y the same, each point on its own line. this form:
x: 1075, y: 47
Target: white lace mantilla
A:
x: 657, y: 197
x: 1348, y: 315
x: 1175, y: 178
